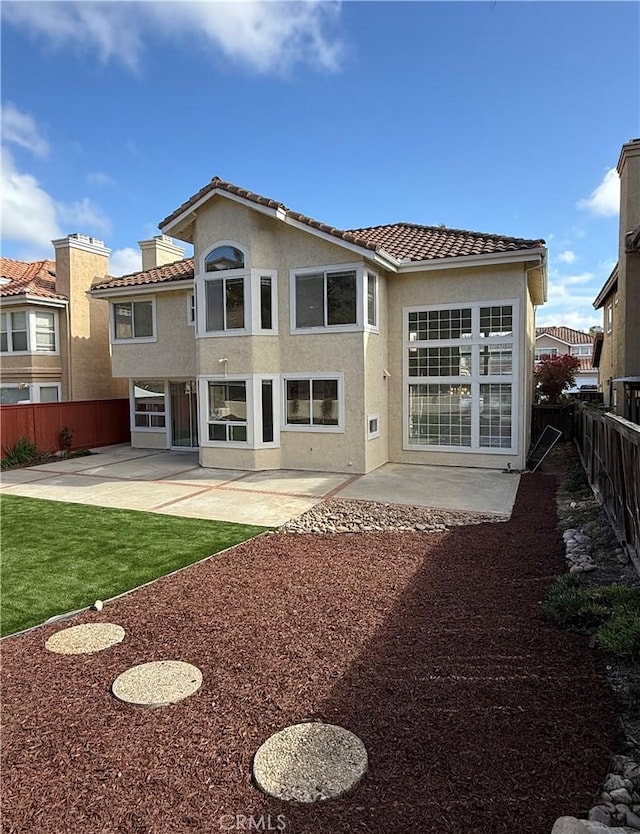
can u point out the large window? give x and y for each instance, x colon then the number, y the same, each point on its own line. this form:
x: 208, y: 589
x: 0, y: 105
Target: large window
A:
x: 28, y: 331
x: 234, y: 298
x: 34, y: 392
x: 326, y: 299
x: 149, y: 405
x: 459, y: 377
x: 313, y: 403
x: 227, y: 416
x: 581, y: 350
x: 339, y: 297
x: 45, y: 332
x: 224, y: 304
x: 134, y: 320
x: 14, y: 332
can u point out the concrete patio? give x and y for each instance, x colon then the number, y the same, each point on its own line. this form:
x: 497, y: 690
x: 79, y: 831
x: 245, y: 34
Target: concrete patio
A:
x: 174, y: 484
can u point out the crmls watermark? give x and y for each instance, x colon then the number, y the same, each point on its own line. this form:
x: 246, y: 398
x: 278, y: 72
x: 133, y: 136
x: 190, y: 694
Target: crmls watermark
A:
x: 242, y: 822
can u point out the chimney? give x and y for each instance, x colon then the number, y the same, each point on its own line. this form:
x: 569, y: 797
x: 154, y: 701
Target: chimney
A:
x: 84, y: 354
x: 158, y: 251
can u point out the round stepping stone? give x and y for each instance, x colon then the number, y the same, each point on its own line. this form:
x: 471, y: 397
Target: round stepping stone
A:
x: 157, y: 684
x: 85, y: 639
x: 310, y: 762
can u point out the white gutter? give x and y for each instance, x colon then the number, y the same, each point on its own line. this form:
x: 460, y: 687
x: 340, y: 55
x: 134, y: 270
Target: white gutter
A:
x: 495, y: 258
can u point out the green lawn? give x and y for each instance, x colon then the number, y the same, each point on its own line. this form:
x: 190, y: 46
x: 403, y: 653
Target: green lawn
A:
x: 57, y: 557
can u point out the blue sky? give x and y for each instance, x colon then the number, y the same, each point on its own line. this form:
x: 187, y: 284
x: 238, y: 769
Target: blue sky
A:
x: 499, y: 116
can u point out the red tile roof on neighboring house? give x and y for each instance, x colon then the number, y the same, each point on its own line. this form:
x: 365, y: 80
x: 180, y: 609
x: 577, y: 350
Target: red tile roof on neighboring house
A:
x: 566, y: 334
x: 37, y: 278
x: 176, y: 271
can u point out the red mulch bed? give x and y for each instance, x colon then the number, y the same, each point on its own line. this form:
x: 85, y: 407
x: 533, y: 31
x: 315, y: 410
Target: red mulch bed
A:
x: 479, y: 717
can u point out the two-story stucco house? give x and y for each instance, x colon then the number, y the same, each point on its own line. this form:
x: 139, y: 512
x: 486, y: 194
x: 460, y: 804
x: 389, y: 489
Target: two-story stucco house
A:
x: 557, y: 341
x: 288, y: 343
x: 617, y: 348
x: 54, y: 337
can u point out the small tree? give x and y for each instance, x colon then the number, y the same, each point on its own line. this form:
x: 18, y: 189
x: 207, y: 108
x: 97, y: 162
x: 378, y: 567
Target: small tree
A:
x: 554, y: 374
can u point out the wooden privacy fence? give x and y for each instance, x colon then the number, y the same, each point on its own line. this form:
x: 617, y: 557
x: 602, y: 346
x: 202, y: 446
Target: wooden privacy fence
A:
x: 91, y: 423
x: 610, y: 450
x: 561, y: 417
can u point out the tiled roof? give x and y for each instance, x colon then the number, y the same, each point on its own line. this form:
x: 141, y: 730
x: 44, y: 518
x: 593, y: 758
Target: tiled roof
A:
x: 423, y: 243
x: 586, y: 363
x: 176, y: 271
x: 36, y: 278
x: 566, y: 334
x: 401, y: 240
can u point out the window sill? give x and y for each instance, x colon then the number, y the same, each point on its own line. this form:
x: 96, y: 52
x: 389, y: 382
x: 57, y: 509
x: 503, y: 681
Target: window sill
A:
x: 334, y: 328
x: 135, y: 341
x: 466, y: 450
x: 314, y: 429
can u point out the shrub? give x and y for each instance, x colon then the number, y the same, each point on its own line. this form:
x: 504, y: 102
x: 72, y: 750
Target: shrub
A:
x: 620, y: 635
x: 23, y: 451
x: 65, y: 436
x: 583, y: 610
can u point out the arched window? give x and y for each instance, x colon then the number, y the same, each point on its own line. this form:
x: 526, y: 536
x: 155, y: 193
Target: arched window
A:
x: 224, y: 257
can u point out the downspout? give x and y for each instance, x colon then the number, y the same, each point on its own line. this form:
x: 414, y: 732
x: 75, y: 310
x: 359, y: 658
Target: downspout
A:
x: 69, y: 360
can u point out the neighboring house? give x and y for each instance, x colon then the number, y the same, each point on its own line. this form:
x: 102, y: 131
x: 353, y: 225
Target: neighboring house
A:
x: 288, y: 343
x: 617, y: 348
x: 556, y: 341
x: 54, y: 338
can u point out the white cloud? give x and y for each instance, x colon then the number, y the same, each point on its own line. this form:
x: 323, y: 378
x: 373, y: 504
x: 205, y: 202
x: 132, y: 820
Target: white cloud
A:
x: 264, y: 36
x: 84, y: 216
x: 28, y: 213
x: 567, y: 257
x: 125, y: 261
x: 570, y: 302
x: 578, y: 320
x: 21, y: 129
x: 100, y: 179
x: 605, y: 199
x: 32, y: 217
x: 104, y: 28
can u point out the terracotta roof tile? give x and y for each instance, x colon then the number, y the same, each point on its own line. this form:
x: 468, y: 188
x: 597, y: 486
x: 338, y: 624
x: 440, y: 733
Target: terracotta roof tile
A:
x: 36, y: 278
x: 566, y: 334
x: 177, y: 271
x: 415, y: 242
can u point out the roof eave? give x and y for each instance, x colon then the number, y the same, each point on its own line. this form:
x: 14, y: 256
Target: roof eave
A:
x: 610, y: 285
x: 512, y: 256
x: 29, y: 298
x: 140, y: 289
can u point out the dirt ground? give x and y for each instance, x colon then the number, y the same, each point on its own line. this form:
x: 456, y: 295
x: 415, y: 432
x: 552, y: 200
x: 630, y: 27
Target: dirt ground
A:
x: 478, y: 716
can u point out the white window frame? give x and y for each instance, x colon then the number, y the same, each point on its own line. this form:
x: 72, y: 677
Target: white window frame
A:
x: 30, y: 314
x: 474, y: 380
x: 335, y: 375
x: 373, y: 328
x: 251, y: 295
x: 371, y: 435
x: 134, y: 339
x: 609, y: 318
x: 191, y: 309
x: 34, y: 389
x: 361, y: 298
x: 256, y: 306
x: 132, y: 409
x: 551, y: 352
x: 581, y: 350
